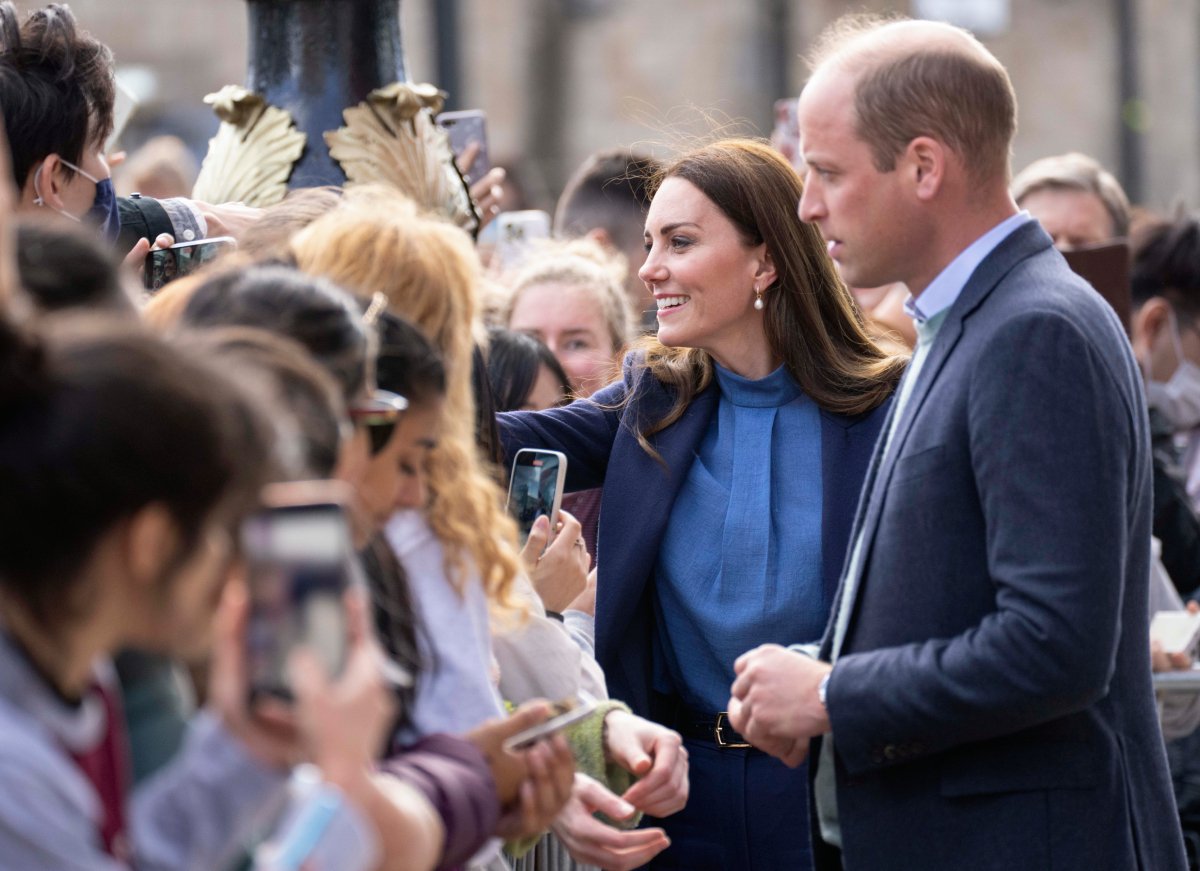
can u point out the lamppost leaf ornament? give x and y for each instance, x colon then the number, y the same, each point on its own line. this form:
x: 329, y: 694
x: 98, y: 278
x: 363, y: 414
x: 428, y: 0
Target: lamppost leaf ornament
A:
x: 252, y: 155
x: 391, y: 138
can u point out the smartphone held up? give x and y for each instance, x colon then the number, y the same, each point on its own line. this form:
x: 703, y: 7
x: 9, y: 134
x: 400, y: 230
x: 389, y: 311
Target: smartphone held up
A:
x: 536, y: 488
x: 300, y: 562
x: 164, y: 265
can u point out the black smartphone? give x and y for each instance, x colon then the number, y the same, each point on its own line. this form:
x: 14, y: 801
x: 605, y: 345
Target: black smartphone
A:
x: 463, y: 128
x: 166, y: 264
x: 536, y: 487
x: 300, y: 559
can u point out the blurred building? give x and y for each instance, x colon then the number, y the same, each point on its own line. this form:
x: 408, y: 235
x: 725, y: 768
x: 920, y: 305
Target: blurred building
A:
x: 560, y: 78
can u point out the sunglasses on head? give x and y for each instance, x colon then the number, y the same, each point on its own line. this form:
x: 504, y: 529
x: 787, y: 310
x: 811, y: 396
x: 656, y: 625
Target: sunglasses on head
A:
x: 379, y: 413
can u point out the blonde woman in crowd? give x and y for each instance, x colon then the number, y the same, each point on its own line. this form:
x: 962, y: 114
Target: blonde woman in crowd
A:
x: 571, y: 296
x: 461, y: 551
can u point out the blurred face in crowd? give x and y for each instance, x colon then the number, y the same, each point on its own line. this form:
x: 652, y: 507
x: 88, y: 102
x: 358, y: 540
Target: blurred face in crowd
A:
x: 547, y: 392
x: 396, y: 477
x: 570, y: 321
x: 1073, y: 218
x: 866, y: 216
x: 702, y: 273
x: 175, y: 596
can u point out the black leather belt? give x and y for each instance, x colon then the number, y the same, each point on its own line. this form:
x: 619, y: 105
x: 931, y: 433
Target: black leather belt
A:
x: 709, y: 727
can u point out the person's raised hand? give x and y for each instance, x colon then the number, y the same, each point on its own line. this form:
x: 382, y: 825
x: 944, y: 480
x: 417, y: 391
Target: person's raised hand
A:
x: 135, y: 261
x: 558, y: 568
x: 268, y: 730
x: 591, y: 842
x: 652, y: 753
x: 344, y: 720
x: 488, y: 191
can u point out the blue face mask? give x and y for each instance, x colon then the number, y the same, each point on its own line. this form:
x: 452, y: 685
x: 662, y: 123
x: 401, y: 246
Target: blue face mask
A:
x: 104, y: 211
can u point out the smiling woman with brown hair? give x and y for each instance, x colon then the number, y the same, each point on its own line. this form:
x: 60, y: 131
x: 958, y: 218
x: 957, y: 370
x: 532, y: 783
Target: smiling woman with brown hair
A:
x: 731, y: 455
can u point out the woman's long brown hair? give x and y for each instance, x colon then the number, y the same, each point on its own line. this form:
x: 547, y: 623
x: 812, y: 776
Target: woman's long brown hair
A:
x: 810, y: 319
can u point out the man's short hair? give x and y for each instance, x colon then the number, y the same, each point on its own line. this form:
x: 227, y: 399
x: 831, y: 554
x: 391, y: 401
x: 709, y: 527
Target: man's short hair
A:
x: 608, y: 191
x: 962, y: 98
x: 1166, y: 263
x: 1076, y: 172
x: 56, y: 87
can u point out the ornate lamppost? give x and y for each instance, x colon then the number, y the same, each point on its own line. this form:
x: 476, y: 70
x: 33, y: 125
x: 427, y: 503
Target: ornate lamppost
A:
x: 327, y: 101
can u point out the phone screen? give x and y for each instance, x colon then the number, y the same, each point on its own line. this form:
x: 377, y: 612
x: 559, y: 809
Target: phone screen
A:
x: 533, y: 490
x: 464, y: 128
x: 164, y: 265
x: 298, y: 558
x: 515, y: 233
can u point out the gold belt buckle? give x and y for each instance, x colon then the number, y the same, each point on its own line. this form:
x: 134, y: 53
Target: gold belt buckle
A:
x: 722, y: 717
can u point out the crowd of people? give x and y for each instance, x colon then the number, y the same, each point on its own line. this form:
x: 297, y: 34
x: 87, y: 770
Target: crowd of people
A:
x: 870, y: 501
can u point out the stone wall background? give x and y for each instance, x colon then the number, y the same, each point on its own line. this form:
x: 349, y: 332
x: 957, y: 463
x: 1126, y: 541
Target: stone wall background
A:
x: 560, y: 78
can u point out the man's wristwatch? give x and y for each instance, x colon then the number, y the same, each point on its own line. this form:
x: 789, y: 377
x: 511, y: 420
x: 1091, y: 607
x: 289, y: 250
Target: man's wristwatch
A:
x: 823, y: 688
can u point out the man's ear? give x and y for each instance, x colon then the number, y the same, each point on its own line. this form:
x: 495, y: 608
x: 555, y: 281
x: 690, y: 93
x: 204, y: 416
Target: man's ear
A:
x: 150, y: 541
x: 925, y: 161
x: 44, y: 183
x: 1152, y: 318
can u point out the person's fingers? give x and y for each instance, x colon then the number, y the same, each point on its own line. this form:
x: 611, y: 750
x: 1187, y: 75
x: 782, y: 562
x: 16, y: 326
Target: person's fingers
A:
x: 660, y: 776
x: 593, y: 843
x: 467, y: 158
x: 535, y: 545
x: 163, y: 240
x: 738, y: 714
x: 569, y: 528
x: 797, y: 754
x: 625, y: 744
x: 306, y: 676
x: 137, y: 254
x: 598, y: 797
x: 1193, y: 607
x: 590, y: 835
x: 358, y: 623
x: 525, y: 717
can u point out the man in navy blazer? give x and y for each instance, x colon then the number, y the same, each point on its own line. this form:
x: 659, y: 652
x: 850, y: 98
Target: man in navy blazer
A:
x: 982, y: 696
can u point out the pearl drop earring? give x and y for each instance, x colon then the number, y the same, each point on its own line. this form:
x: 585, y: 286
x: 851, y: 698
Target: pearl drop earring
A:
x: 758, y: 301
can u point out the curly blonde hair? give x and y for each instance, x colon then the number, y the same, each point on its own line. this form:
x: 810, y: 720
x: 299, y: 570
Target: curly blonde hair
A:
x: 429, y: 272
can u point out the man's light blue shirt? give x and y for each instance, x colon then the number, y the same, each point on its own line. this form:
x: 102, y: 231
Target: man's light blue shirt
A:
x: 945, y: 289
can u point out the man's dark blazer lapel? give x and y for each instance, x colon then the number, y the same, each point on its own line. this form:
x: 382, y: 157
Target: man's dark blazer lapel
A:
x: 1024, y: 242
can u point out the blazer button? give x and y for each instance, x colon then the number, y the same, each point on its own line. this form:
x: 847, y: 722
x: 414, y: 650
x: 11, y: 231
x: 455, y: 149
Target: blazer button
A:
x: 891, y: 752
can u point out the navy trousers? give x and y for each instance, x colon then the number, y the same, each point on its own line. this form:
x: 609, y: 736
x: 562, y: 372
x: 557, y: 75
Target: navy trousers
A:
x: 746, y: 811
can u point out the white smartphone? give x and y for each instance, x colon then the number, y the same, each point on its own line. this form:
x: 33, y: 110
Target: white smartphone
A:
x: 124, y: 105
x: 536, y: 487
x: 300, y: 560
x: 1176, y: 631
x: 515, y: 231
x: 464, y: 128
x: 566, y: 712
x: 164, y: 265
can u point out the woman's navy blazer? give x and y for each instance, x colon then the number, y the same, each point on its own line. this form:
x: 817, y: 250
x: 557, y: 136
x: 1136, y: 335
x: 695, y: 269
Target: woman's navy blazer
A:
x: 598, y: 437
